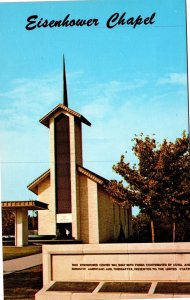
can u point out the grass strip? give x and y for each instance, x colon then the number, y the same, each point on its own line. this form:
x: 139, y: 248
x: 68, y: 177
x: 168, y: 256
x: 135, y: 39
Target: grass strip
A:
x: 11, y: 252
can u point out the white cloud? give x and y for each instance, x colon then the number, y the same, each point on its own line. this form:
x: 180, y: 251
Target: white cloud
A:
x: 174, y: 78
x: 26, y: 99
x: 117, y: 110
x: 103, y: 96
x: 112, y: 87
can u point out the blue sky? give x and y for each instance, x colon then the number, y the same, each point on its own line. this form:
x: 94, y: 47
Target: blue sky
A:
x: 123, y: 80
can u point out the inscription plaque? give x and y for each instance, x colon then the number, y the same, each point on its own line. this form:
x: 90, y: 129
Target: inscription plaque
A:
x: 121, y: 267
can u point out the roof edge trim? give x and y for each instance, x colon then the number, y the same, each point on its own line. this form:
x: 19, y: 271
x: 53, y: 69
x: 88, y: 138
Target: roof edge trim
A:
x: 45, y: 119
x: 33, y: 185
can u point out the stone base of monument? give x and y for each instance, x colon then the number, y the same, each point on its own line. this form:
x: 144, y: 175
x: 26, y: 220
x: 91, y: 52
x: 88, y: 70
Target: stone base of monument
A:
x: 113, y: 290
x: 115, y: 271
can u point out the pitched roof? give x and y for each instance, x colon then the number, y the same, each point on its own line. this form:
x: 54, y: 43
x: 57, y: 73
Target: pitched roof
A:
x: 33, y: 186
x: 61, y: 107
x: 95, y: 177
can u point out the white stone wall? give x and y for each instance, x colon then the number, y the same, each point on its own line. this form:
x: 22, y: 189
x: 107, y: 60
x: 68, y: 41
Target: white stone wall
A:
x: 73, y: 153
x: 46, y: 218
x: 106, y: 216
x: 84, y: 215
x: 149, y: 261
x: 89, y: 228
x: 93, y: 212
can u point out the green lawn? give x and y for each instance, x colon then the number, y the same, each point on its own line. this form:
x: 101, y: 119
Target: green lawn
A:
x: 23, y: 284
x: 11, y: 252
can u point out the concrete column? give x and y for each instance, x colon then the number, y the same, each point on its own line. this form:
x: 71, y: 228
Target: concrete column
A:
x: 74, y: 202
x: 21, y: 227
x: 93, y: 217
x: 52, y: 200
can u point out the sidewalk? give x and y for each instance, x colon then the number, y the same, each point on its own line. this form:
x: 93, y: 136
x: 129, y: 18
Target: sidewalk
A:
x: 13, y: 265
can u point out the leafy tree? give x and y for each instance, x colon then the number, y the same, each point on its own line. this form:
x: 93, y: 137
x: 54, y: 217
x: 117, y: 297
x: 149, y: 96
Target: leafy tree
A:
x: 173, y: 180
x: 8, y: 222
x: 163, y: 229
x: 160, y: 183
x: 141, y: 228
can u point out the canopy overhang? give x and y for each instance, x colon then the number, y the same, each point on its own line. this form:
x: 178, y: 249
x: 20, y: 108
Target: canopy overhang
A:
x: 21, y: 209
x: 30, y: 205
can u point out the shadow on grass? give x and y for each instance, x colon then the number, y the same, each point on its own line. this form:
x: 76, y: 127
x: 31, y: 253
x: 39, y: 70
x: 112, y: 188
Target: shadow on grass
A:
x: 23, y: 284
x: 16, y: 252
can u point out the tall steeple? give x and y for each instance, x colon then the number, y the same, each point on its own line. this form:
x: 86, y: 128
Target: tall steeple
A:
x: 65, y: 98
x: 75, y: 196
x: 65, y: 156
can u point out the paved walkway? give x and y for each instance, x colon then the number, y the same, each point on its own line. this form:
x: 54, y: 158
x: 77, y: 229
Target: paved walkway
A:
x: 18, y: 264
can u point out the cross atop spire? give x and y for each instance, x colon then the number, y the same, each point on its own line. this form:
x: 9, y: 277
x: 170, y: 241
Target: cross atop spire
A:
x: 65, y: 98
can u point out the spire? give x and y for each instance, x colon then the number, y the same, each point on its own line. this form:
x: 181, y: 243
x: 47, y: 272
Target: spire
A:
x: 65, y: 99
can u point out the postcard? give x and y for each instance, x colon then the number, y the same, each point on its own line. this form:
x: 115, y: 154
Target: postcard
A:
x: 95, y: 149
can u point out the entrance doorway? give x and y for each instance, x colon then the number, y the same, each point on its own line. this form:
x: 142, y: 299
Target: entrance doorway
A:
x: 64, y: 231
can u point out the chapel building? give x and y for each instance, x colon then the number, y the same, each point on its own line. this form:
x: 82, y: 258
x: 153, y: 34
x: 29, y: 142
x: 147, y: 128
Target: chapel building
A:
x: 78, y: 205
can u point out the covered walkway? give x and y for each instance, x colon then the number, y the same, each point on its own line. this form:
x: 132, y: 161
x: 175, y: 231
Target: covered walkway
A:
x: 21, y: 209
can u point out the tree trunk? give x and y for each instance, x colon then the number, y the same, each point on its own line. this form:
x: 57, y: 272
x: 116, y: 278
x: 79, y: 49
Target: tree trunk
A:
x: 152, y: 231
x: 174, y: 231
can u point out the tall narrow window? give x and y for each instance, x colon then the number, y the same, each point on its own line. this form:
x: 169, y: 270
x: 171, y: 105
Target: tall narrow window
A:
x: 62, y: 164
